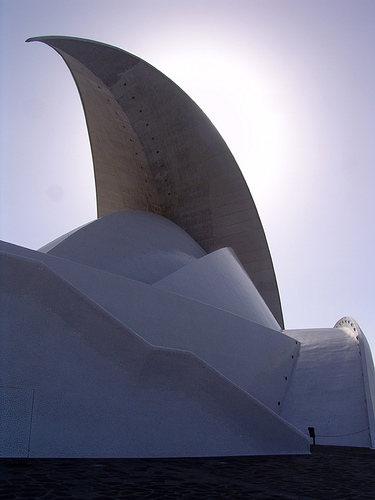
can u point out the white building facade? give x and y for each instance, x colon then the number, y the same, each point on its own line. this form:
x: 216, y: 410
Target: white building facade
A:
x: 157, y: 330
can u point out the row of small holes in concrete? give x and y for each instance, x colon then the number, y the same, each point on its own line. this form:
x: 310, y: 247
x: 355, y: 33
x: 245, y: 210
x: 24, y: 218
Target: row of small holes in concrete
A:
x: 131, y: 140
x: 350, y: 323
x: 286, y: 378
x: 152, y: 138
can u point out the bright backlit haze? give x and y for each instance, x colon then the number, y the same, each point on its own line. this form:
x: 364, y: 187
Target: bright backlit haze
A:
x: 290, y: 85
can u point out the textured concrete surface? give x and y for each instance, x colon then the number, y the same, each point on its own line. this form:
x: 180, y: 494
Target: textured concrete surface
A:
x: 327, y: 473
x: 224, y: 340
x: 143, y: 243
x: 96, y: 388
x: 155, y: 150
x: 126, y: 339
x: 368, y: 369
x: 203, y: 321
x: 327, y: 388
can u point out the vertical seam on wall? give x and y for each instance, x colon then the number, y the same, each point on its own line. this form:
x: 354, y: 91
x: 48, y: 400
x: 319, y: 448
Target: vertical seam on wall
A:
x: 363, y: 366
x: 31, y: 424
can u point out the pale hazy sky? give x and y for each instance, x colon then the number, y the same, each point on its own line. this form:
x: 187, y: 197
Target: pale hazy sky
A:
x: 289, y: 84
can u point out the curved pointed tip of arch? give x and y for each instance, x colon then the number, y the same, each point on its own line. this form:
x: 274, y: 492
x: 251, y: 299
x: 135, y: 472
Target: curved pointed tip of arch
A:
x: 44, y: 38
x: 48, y: 39
x: 128, y: 95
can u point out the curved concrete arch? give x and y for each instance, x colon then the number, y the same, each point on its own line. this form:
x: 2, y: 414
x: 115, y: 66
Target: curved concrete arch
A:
x: 154, y: 149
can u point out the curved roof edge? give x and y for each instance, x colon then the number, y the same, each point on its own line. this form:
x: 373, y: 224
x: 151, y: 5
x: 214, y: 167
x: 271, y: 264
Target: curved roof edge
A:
x: 368, y: 370
x: 154, y: 149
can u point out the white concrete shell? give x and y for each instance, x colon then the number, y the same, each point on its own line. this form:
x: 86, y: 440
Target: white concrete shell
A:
x: 332, y: 387
x: 133, y: 337
x: 98, y: 364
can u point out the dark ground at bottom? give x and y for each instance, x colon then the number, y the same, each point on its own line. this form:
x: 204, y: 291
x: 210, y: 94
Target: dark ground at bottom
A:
x: 329, y: 472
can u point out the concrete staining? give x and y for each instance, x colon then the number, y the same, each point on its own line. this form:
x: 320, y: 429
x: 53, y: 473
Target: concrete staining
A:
x: 155, y: 150
x: 135, y: 336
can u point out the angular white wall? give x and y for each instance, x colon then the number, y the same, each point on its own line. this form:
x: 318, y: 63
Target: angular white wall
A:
x: 88, y: 351
x: 327, y: 388
x: 81, y: 384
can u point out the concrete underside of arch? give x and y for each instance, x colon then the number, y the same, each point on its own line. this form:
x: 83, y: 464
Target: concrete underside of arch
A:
x: 155, y: 150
